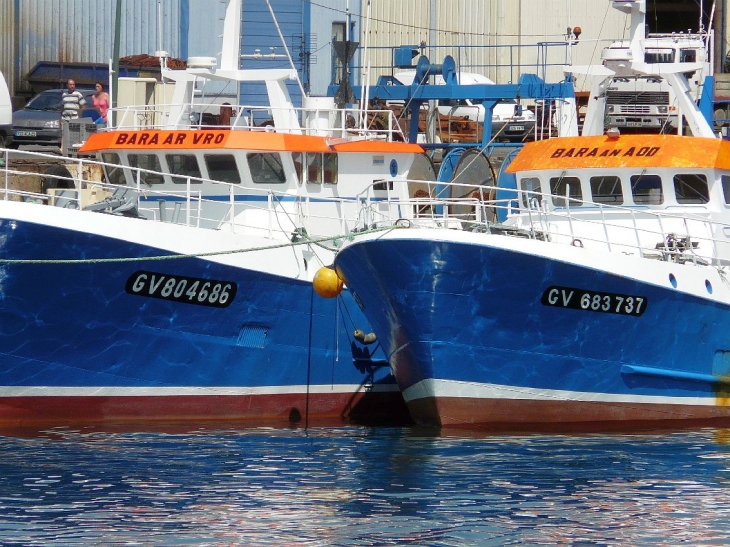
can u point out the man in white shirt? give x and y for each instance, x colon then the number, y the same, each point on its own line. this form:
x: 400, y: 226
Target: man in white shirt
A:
x: 73, y: 101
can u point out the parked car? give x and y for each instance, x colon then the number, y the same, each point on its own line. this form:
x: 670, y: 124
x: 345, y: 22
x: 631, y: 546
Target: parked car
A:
x: 39, y: 121
x: 509, y: 120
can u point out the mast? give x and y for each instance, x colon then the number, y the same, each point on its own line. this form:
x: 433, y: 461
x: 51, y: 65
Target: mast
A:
x: 115, y: 60
x: 720, y: 33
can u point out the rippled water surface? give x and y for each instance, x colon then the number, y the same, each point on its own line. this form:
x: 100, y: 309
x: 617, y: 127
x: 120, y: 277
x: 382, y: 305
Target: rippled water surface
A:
x: 354, y: 486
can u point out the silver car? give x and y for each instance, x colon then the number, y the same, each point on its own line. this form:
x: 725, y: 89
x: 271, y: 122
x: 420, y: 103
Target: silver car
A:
x: 39, y: 121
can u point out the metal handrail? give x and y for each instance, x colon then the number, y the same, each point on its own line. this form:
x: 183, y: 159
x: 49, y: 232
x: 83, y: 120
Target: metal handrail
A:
x: 341, y: 122
x: 614, y: 228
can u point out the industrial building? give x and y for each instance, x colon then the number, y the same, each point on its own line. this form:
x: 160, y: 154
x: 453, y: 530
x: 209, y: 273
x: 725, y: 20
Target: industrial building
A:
x: 498, y: 38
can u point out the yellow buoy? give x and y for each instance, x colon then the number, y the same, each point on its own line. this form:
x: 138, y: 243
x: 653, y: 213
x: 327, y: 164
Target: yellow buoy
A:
x: 327, y: 283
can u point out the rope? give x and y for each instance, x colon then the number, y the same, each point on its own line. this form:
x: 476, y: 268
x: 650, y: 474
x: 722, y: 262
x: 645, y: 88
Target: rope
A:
x: 303, y: 241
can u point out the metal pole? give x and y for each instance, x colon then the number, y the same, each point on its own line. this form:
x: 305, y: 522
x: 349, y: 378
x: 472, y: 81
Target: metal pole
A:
x: 115, y: 58
x: 719, y: 37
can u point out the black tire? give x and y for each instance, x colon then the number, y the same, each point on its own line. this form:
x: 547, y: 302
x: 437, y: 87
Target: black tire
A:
x: 60, y: 178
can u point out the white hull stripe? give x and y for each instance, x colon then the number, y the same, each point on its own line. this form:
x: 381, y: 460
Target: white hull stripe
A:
x: 469, y: 390
x: 104, y: 391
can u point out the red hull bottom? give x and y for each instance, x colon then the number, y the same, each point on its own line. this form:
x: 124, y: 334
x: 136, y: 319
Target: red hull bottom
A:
x: 563, y: 416
x: 284, y: 410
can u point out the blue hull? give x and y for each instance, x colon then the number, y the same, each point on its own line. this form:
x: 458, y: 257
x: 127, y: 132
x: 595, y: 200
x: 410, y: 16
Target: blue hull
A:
x: 479, y: 335
x: 149, y: 340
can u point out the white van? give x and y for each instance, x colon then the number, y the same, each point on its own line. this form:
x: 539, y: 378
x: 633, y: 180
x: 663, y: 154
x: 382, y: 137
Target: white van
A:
x: 6, y: 114
x: 509, y: 120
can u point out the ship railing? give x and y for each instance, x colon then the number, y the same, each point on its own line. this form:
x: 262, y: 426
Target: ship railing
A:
x: 425, y: 203
x: 686, y: 233
x: 380, y: 124
x: 683, y: 234
x: 87, y: 184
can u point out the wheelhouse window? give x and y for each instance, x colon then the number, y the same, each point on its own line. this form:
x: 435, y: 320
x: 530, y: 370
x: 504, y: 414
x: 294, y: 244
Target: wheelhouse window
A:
x: 222, y: 168
x: 314, y: 168
x: 607, y: 189
x: 726, y: 188
x: 647, y: 189
x: 266, y: 168
x: 691, y: 188
x: 531, y: 190
x: 114, y: 174
x: 146, y: 162
x: 298, y: 159
x: 321, y: 168
x: 659, y: 56
x: 687, y: 55
x: 330, y: 165
x: 183, y: 166
x: 562, y: 186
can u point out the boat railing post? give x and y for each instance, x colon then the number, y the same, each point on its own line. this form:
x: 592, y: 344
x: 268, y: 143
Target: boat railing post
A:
x: 713, y: 241
x: 710, y: 230
x: 6, y: 160
x: 231, y: 197
x: 636, y: 231
x: 662, y: 234
x: 544, y: 217
x: 369, y: 211
x: 270, y: 201
x: 567, y: 211
x: 79, y: 164
x: 605, y: 225
x: 686, y: 233
x: 343, y: 222
x: 531, y: 202
x: 187, y: 201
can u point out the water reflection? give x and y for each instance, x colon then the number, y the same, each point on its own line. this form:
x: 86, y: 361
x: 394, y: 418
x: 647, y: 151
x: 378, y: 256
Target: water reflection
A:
x: 355, y: 486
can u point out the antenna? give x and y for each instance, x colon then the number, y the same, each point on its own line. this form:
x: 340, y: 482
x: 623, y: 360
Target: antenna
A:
x: 286, y: 49
x: 365, y: 71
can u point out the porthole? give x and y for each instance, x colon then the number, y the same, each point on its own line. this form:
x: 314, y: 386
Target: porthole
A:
x: 708, y: 286
x: 673, y: 280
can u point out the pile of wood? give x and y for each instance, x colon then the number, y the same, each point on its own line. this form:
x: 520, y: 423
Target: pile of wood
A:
x: 150, y: 61
x: 449, y: 129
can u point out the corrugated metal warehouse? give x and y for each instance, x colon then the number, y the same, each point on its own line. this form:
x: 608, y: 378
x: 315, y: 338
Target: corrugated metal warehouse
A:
x: 500, y: 33
x: 504, y: 33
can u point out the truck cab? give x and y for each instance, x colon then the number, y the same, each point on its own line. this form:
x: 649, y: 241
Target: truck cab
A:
x: 647, y: 102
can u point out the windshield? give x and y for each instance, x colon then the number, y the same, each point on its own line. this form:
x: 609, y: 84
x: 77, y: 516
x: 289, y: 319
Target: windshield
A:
x: 659, y: 56
x: 45, y: 101
x: 51, y: 99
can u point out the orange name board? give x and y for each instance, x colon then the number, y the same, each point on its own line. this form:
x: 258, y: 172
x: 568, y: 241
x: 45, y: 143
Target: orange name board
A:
x: 235, y: 140
x: 586, y: 152
x: 169, y: 139
x: 632, y: 151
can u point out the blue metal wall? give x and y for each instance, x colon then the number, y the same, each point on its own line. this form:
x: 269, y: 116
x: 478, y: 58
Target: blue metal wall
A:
x: 83, y: 31
x: 259, y: 32
x: 324, y: 14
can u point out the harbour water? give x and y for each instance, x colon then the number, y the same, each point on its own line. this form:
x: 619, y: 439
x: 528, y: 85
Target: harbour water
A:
x: 362, y: 486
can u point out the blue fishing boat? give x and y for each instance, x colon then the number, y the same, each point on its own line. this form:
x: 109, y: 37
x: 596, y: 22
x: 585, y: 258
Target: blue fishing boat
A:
x: 166, y: 273
x: 586, y: 288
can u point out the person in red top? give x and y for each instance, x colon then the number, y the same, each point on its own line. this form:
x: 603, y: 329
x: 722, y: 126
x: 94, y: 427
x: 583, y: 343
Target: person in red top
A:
x: 101, y: 100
